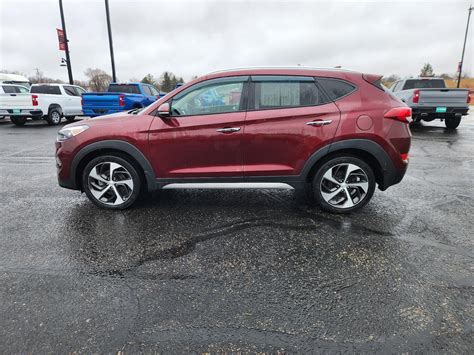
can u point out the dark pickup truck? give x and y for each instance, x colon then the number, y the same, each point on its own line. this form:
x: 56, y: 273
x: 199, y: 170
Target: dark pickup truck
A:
x: 119, y: 97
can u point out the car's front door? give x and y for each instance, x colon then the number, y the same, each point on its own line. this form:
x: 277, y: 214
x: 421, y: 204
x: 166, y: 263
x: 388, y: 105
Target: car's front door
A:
x: 203, y: 135
x: 289, y: 118
x: 73, y: 101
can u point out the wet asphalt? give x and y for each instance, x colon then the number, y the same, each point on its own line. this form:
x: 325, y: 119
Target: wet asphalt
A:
x: 238, y: 270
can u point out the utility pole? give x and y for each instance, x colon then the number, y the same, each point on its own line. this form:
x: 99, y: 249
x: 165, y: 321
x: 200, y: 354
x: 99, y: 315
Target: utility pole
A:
x: 68, y: 59
x: 111, y: 45
x: 464, y: 46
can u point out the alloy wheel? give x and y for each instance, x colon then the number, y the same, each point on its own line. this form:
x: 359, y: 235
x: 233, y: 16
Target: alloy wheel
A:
x: 344, y: 185
x: 110, y: 183
x: 55, y: 117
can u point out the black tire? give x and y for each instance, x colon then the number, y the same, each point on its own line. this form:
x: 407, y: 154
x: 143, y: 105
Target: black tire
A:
x: 335, y: 168
x: 70, y: 118
x: 54, y: 116
x: 18, y: 120
x: 130, y: 168
x: 452, y: 122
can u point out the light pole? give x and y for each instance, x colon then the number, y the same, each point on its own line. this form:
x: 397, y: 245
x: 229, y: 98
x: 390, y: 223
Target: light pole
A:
x: 66, y: 45
x: 464, y: 46
x: 111, y: 45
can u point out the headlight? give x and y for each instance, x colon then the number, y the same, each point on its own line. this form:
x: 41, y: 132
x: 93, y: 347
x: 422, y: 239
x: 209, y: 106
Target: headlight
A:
x: 70, y: 132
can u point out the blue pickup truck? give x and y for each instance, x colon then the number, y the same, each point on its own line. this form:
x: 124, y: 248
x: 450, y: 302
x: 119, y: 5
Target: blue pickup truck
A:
x: 119, y: 97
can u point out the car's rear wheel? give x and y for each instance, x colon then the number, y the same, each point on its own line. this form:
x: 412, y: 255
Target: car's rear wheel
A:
x: 54, y: 117
x: 343, y: 184
x: 452, y: 122
x: 111, y: 182
x: 18, y: 120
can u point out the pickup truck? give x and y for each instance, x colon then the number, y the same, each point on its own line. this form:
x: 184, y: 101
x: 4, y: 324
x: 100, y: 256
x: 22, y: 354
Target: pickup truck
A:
x: 45, y: 101
x: 119, y: 97
x: 429, y: 99
x: 12, y: 89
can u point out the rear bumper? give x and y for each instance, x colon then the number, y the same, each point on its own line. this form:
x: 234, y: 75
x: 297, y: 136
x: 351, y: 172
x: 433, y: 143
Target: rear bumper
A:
x: 431, y: 111
x: 21, y: 112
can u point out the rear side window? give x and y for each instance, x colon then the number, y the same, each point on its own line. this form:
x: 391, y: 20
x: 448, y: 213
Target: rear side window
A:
x: 283, y: 92
x: 336, y: 88
x: 147, y: 90
x: 10, y: 89
x: 424, y: 84
x: 46, y: 89
x: 126, y: 89
x: 70, y: 90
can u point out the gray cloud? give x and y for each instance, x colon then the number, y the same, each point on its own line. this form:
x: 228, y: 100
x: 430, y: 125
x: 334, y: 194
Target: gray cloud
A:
x: 192, y: 38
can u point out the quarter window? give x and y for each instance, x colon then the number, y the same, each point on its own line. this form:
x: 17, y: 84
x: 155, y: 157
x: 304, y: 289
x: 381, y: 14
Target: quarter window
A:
x: 282, y: 92
x: 209, y: 99
x: 336, y: 88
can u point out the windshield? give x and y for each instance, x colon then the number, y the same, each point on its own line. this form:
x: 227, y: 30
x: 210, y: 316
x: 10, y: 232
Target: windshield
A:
x: 124, y: 88
x: 424, y: 84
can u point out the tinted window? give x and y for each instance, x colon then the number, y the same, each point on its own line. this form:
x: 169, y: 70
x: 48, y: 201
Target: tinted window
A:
x: 146, y: 90
x: 336, y: 88
x: 208, y: 99
x: 10, y: 89
x: 23, y: 90
x: 46, y: 89
x: 281, y: 92
x: 70, y: 90
x: 154, y: 92
x: 124, y: 88
x: 79, y: 90
x: 424, y: 84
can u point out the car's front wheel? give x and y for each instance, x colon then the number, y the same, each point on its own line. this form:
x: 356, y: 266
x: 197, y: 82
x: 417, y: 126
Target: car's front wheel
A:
x: 343, y: 184
x: 111, y: 182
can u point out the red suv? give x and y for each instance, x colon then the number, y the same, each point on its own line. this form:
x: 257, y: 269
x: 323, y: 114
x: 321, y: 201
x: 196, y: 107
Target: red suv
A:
x: 337, y: 131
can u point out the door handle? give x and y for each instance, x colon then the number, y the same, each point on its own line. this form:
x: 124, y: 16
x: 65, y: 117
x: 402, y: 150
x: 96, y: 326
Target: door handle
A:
x: 228, y: 130
x: 319, y: 123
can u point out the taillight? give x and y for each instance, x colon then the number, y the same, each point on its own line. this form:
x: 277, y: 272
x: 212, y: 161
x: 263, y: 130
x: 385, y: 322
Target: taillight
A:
x: 82, y: 101
x: 121, y: 100
x: 404, y: 156
x: 416, y: 96
x: 34, y: 100
x: 469, y: 98
x: 401, y: 114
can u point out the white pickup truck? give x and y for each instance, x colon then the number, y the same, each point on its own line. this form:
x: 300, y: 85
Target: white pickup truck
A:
x: 48, y: 101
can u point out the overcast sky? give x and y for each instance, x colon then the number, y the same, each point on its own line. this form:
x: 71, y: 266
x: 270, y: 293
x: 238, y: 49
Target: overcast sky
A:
x: 195, y: 37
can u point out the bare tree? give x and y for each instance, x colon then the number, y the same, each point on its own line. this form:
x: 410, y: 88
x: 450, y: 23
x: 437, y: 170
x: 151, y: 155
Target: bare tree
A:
x: 99, y: 80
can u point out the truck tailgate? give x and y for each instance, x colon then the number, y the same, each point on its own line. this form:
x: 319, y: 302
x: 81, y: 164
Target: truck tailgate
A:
x: 100, y: 100
x: 15, y: 101
x: 443, y: 97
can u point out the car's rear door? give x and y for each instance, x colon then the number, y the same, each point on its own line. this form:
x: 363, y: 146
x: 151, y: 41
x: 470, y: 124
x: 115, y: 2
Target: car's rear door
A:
x: 289, y: 118
x: 203, y: 135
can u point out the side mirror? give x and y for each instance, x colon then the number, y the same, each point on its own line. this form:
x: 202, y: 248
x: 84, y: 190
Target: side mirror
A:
x: 164, y: 110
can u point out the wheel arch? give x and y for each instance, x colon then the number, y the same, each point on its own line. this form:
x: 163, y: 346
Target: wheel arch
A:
x: 369, y: 151
x: 58, y: 106
x: 118, y: 147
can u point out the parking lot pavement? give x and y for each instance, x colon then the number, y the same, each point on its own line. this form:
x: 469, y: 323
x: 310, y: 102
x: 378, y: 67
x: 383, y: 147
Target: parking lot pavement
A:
x: 229, y: 270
